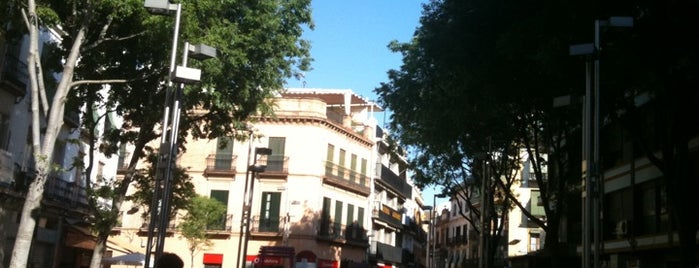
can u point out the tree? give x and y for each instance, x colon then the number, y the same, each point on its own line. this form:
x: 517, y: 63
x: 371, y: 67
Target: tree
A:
x: 259, y: 46
x: 202, y: 213
x: 488, y: 70
x: 491, y: 68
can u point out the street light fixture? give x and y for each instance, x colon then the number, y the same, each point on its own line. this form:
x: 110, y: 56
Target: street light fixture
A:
x: 160, y: 204
x: 253, y: 168
x: 593, y: 185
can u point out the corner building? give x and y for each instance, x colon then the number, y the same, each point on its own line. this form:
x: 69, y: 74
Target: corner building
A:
x: 312, y: 200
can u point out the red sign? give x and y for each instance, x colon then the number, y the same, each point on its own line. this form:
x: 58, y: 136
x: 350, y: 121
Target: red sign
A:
x: 323, y: 263
x: 269, y: 260
x: 213, y: 258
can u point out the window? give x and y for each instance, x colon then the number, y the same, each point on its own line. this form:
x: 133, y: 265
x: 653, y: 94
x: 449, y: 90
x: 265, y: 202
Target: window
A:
x: 122, y: 162
x: 360, y: 217
x: 100, y: 171
x: 59, y: 154
x: 329, y: 160
x: 275, y: 161
x: 220, y: 196
x: 337, y: 221
x: 269, y: 211
x: 534, y: 242
x: 350, y: 215
x: 4, y: 131
x: 362, y: 179
x: 341, y: 164
x: 224, y: 153
x: 353, y: 168
x: 325, y: 216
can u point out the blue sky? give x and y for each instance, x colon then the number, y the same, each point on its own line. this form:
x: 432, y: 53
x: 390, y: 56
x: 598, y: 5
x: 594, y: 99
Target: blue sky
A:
x: 349, y: 45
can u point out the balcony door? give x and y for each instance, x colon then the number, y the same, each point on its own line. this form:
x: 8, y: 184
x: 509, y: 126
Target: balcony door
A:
x: 224, y: 153
x: 269, y: 211
x: 275, y: 161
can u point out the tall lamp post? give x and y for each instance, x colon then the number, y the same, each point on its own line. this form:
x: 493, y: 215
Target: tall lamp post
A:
x: 160, y: 205
x: 593, y: 185
x: 250, y: 175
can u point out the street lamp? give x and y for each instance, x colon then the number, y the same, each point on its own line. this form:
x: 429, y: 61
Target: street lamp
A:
x: 160, y: 204
x: 593, y: 185
x: 253, y: 169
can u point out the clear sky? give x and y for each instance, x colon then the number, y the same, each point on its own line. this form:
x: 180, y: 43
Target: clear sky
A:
x: 349, y: 43
x: 349, y: 46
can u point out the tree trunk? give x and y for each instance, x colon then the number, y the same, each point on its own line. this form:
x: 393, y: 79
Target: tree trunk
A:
x: 42, y: 148
x: 98, y: 252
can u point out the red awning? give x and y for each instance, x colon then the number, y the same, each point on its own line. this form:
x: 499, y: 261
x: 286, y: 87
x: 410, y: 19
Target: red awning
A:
x: 210, y: 258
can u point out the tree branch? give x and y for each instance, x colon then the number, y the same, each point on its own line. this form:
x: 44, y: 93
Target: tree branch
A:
x: 101, y: 39
x: 106, y: 81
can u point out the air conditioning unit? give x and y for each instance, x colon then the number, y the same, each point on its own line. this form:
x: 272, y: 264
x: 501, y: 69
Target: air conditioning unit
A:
x: 622, y: 227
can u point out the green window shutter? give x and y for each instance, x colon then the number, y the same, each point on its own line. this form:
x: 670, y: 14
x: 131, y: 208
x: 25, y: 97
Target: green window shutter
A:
x: 224, y: 153
x: 536, y: 208
x: 269, y: 211
x: 362, y: 178
x: 275, y: 161
x: 360, y: 216
x: 325, y: 217
x: 350, y: 215
x: 341, y: 164
x: 330, y: 153
x: 220, y: 196
x: 329, y: 160
x: 337, y: 221
x: 353, y: 168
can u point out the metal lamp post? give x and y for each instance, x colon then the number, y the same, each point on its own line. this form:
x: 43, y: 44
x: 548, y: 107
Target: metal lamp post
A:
x: 160, y: 205
x: 250, y: 175
x: 593, y: 185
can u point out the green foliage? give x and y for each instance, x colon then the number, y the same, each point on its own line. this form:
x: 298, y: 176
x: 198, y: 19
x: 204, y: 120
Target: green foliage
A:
x: 202, y: 213
x: 182, y: 188
x: 480, y: 76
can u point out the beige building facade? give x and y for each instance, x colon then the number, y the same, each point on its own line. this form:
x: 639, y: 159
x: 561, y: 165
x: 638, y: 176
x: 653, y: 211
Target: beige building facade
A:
x: 313, y: 196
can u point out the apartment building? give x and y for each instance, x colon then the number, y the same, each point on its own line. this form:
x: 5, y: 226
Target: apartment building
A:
x: 315, y: 204
x: 398, y: 236
x: 524, y: 237
x: 637, y: 229
x: 61, y: 237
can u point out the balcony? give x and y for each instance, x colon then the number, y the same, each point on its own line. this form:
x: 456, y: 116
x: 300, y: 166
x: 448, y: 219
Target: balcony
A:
x: 458, y: 240
x: 395, y: 182
x: 220, y: 165
x: 388, y: 215
x: 14, y: 75
x: 172, y: 226
x: 345, y: 178
x: 342, y: 234
x: 277, y: 167
x: 65, y: 194
x: 416, y: 230
x: 260, y: 226
x: 223, y: 227
x: 385, y: 252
